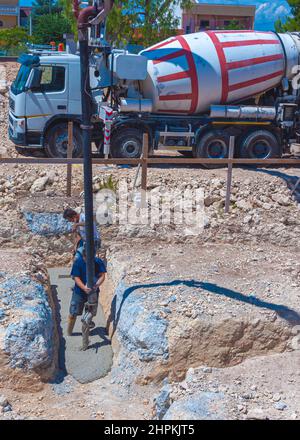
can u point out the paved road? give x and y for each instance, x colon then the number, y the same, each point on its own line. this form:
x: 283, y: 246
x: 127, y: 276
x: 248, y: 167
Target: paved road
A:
x: 84, y: 366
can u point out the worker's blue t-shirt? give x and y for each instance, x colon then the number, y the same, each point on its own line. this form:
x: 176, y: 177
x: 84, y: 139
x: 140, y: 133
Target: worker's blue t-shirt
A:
x: 79, y: 270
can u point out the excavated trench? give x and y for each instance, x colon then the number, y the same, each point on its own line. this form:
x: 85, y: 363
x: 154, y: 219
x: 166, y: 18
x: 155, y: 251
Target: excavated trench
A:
x: 136, y: 344
x: 84, y: 366
x: 147, y: 339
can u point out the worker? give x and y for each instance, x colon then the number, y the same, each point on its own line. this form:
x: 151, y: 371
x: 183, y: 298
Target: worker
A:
x: 80, y: 290
x: 79, y: 229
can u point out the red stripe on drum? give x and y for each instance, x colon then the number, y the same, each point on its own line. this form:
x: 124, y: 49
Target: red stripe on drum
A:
x: 193, y: 72
x: 178, y: 97
x: 164, y: 43
x: 242, y: 32
x: 254, y: 81
x: 248, y: 43
x: 253, y: 61
x: 223, y: 65
x: 190, y: 73
x: 178, y: 53
x: 174, y: 76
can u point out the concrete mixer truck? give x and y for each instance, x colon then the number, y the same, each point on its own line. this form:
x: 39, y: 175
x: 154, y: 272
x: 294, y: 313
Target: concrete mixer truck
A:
x: 189, y: 93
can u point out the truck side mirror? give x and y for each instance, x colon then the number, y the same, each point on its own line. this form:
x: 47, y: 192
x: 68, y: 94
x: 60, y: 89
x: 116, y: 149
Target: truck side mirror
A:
x: 35, y: 82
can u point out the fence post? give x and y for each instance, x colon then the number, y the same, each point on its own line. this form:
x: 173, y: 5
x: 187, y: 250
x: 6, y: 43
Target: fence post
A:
x: 229, y: 173
x: 144, y: 169
x: 69, y: 156
x: 145, y: 161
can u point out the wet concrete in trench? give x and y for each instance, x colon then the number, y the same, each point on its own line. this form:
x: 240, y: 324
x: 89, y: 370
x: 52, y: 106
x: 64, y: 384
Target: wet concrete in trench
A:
x: 84, y: 366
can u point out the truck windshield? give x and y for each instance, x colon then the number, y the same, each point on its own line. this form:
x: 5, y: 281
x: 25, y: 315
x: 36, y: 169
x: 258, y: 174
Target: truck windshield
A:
x: 18, y: 86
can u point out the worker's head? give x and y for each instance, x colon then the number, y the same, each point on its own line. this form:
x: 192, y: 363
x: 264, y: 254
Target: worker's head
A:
x: 71, y: 215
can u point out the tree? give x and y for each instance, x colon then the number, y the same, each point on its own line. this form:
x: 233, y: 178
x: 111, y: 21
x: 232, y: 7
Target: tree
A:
x: 292, y: 23
x: 234, y: 25
x: 143, y: 22
x: 51, y: 27
x: 67, y: 12
x: 43, y: 7
x: 13, y: 38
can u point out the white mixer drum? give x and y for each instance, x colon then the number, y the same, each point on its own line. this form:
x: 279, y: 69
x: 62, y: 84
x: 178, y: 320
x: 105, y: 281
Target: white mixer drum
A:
x: 188, y: 73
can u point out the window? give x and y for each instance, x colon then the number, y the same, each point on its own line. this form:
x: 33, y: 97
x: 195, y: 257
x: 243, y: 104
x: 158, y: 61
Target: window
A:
x: 52, y: 79
x: 204, y: 24
x: 18, y: 86
x: 1, y: 23
x: 187, y: 29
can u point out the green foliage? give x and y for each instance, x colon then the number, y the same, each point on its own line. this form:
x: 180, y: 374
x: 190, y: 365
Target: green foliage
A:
x: 234, y: 25
x: 51, y: 27
x: 67, y: 12
x: 105, y: 183
x: 143, y: 22
x: 44, y: 7
x: 292, y: 24
x: 13, y: 38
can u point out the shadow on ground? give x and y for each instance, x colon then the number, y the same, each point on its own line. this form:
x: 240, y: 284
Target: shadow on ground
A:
x: 62, y: 371
x: 290, y: 181
x: 284, y: 312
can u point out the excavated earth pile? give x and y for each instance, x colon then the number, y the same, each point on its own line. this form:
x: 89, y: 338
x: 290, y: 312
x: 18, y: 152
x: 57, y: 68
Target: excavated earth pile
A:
x: 172, y: 310
x: 28, y: 344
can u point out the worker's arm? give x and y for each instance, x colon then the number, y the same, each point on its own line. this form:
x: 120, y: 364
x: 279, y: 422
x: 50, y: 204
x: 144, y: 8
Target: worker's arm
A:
x: 76, y: 241
x: 100, y: 280
x: 76, y: 226
x: 80, y: 284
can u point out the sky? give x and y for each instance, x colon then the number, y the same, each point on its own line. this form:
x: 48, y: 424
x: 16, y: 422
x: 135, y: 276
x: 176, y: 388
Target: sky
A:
x: 267, y: 11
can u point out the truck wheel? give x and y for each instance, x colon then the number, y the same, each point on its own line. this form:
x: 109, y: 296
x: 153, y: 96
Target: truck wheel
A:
x: 127, y: 143
x: 56, y: 141
x: 212, y: 145
x: 260, y: 144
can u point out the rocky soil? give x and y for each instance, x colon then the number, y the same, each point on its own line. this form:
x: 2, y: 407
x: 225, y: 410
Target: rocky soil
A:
x: 28, y: 333
x: 203, y: 326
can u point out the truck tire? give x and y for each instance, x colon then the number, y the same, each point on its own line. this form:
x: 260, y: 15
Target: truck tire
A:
x: 214, y: 144
x: 56, y: 141
x: 127, y: 143
x: 260, y: 144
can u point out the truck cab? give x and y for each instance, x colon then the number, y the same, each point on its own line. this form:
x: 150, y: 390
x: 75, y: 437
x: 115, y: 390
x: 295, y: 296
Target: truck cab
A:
x: 43, y: 98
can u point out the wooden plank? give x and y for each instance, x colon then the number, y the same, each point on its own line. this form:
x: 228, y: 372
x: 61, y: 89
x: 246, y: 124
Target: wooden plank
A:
x: 69, y: 156
x: 61, y: 161
x: 150, y: 160
x: 193, y: 161
x: 229, y: 174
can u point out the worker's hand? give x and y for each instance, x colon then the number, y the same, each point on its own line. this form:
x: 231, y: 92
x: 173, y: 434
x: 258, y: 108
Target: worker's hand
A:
x: 74, y: 228
x: 87, y: 290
